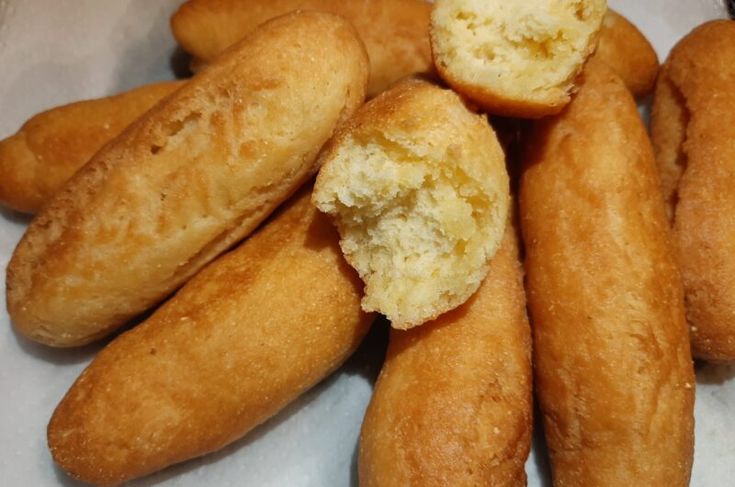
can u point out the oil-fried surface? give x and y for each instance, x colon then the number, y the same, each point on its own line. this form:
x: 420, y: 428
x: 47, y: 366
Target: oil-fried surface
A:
x: 453, y: 402
x: 186, y: 181
x: 612, y: 362
x: 694, y: 132
x: 395, y: 32
x: 51, y: 146
x: 627, y: 51
x: 246, y: 336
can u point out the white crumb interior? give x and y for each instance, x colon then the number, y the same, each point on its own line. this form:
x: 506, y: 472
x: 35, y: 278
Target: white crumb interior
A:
x: 417, y: 229
x: 523, y: 47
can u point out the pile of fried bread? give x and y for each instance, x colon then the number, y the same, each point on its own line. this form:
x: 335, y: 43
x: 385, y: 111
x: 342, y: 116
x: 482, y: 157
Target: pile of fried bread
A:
x: 476, y: 171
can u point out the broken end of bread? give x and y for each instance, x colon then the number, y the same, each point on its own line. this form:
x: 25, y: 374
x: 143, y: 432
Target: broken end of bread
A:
x: 417, y: 187
x: 514, y: 58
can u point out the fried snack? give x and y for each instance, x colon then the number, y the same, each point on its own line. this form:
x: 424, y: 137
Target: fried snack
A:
x: 417, y: 186
x: 515, y: 59
x: 186, y: 181
x: 395, y: 32
x: 613, y: 369
x: 452, y: 405
x: 236, y: 344
x: 626, y: 50
x: 669, y: 119
x: 50, y: 147
x: 693, y: 127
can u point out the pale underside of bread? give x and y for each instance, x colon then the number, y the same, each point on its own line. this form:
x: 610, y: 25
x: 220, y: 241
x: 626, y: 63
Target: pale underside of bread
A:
x: 395, y: 32
x: 514, y: 58
x: 417, y: 185
x: 186, y: 181
x: 51, y: 146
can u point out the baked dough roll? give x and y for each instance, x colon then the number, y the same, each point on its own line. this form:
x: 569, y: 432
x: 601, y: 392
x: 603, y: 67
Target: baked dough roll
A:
x: 626, y: 50
x: 186, y: 181
x: 517, y: 59
x: 613, y: 369
x: 50, y: 147
x: 452, y: 405
x: 246, y: 336
x: 693, y: 129
x: 395, y: 32
x: 669, y: 119
x: 417, y: 186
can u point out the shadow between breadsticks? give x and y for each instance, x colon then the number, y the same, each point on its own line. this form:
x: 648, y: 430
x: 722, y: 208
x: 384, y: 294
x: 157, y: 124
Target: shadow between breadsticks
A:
x: 395, y: 32
x: 693, y: 129
x: 186, y: 181
x: 613, y: 369
x: 51, y: 146
x: 236, y: 344
x: 452, y: 405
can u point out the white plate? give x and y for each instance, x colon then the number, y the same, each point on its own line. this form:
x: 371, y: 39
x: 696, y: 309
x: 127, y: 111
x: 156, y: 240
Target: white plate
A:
x: 55, y: 52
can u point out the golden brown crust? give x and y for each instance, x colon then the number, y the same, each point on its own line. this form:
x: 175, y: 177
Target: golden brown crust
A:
x: 626, y: 50
x: 186, y: 181
x: 498, y: 104
x: 669, y: 119
x: 395, y: 32
x: 246, y: 336
x: 696, y: 149
x: 613, y: 370
x: 50, y: 147
x: 452, y: 405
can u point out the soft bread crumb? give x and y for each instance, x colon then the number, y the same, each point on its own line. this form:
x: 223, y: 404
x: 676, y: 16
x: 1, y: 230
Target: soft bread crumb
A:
x: 419, y: 192
x: 514, y: 58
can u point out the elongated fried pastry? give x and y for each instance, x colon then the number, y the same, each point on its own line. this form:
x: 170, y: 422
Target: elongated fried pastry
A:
x: 452, y: 405
x: 246, y: 336
x: 613, y: 369
x: 395, y: 32
x: 186, y: 181
x: 626, y: 50
x: 693, y: 129
x: 417, y: 186
x: 516, y: 59
x: 51, y: 146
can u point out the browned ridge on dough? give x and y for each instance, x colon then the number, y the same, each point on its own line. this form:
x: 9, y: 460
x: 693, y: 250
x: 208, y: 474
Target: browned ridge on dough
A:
x: 51, y: 146
x: 613, y: 368
x: 395, y: 32
x: 693, y: 129
x: 242, y: 339
x: 186, y: 181
x: 452, y: 405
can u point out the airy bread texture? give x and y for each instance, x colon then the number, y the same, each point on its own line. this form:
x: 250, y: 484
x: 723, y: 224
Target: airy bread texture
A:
x: 613, y: 368
x: 187, y: 181
x: 395, y: 32
x: 514, y: 58
x: 417, y: 185
x: 453, y: 405
x: 242, y: 339
x: 51, y: 146
x: 693, y: 132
